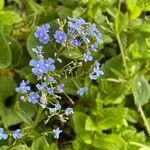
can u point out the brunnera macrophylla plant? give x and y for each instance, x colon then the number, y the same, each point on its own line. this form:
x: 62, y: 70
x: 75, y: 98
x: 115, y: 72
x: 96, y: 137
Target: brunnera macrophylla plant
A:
x: 47, y: 93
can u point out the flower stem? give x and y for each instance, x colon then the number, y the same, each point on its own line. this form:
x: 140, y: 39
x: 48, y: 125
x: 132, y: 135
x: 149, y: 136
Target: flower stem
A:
x: 119, y: 40
x: 144, y: 120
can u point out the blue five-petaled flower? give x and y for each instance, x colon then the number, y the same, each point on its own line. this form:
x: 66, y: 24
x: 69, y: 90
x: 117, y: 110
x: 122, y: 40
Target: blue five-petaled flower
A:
x: 57, y: 131
x: 17, y: 134
x: 24, y: 88
x: 69, y: 111
x: 97, y: 72
x: 33, y: 97
x: 60, y: 36
x: 81, y: 91
x: 3, y: 135
x: 41, y: 33
x: 87, y: 56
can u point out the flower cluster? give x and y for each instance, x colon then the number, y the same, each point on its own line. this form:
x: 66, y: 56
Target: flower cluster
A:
x: 16, y: 134
x: 48, y: 89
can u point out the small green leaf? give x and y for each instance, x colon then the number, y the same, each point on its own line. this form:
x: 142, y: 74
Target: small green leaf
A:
x: 89, y: 124
x: 9, y: 17
x: 141, y: 90
x: 5, y: 53
x: 23, y: 115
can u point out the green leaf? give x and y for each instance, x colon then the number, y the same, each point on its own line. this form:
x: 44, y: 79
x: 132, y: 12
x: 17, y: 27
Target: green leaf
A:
x: 7, y: 87
x: 9, y: 17
x: 134, y: 9
x: 78, y: 12
x: 90, y: 125
x: 141, y: 90
x: 111, y: 117
x: 79, y: 120
x: 23, y: 115
x: 40, y: 143
x: 109, y: 142
x: 64, y: 12
x: 132, y: 116
x: 72, y: 53
x: 16, y: 50
x: 1, y: 4
x: 10, y: 117
x: 5, y: 53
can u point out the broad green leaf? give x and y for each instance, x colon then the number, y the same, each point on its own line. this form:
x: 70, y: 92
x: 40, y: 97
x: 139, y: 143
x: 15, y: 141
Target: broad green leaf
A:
x: 16, y: 50
x: 78, y: 12
x: 10, y: 117
x: 5, y: 53
x: 1, y: 4
x: 111, y: 117
x: 23, y: 115
x: 79, y: 120
x: 40, y: 143
x: 7, y: 87
x: 9, y: 17
x: 141, y: 90
x: 109, y: 142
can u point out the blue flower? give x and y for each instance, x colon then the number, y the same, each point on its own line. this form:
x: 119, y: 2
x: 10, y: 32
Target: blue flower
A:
x: 87, y: 56
x: 17, y: 134
x: 41, y: 33
x: 39, y: 67
x: 94, y: 47
x: 60, y: 88
x: 38, y: 51
x: 23, y: 87
x: 75, y: 24
x: 60, y: 36
x: 33, y: 97
x: 75, y: 42
x: 85, y: 39
x: 51, y: 90
x: 69, y: 111
x: 42, y: 86
x: 56, y: 108
x: 97, y: 72
x: 57, y: 131
x: 2, y: 134
x: 81, y: 91
x: 50, y: 64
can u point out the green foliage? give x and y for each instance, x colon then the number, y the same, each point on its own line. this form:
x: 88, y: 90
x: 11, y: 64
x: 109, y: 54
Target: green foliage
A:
x: 107, y: 117
x: 5, y: 57
x: 141, y: 90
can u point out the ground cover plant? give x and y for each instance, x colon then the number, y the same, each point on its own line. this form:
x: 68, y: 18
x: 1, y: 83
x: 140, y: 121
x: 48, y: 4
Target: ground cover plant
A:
x: 74, y: 74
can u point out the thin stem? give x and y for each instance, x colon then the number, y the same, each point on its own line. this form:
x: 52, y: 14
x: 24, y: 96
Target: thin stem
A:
x: 119, y: 40
x: 122, y: 55
x: 144, y: 120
